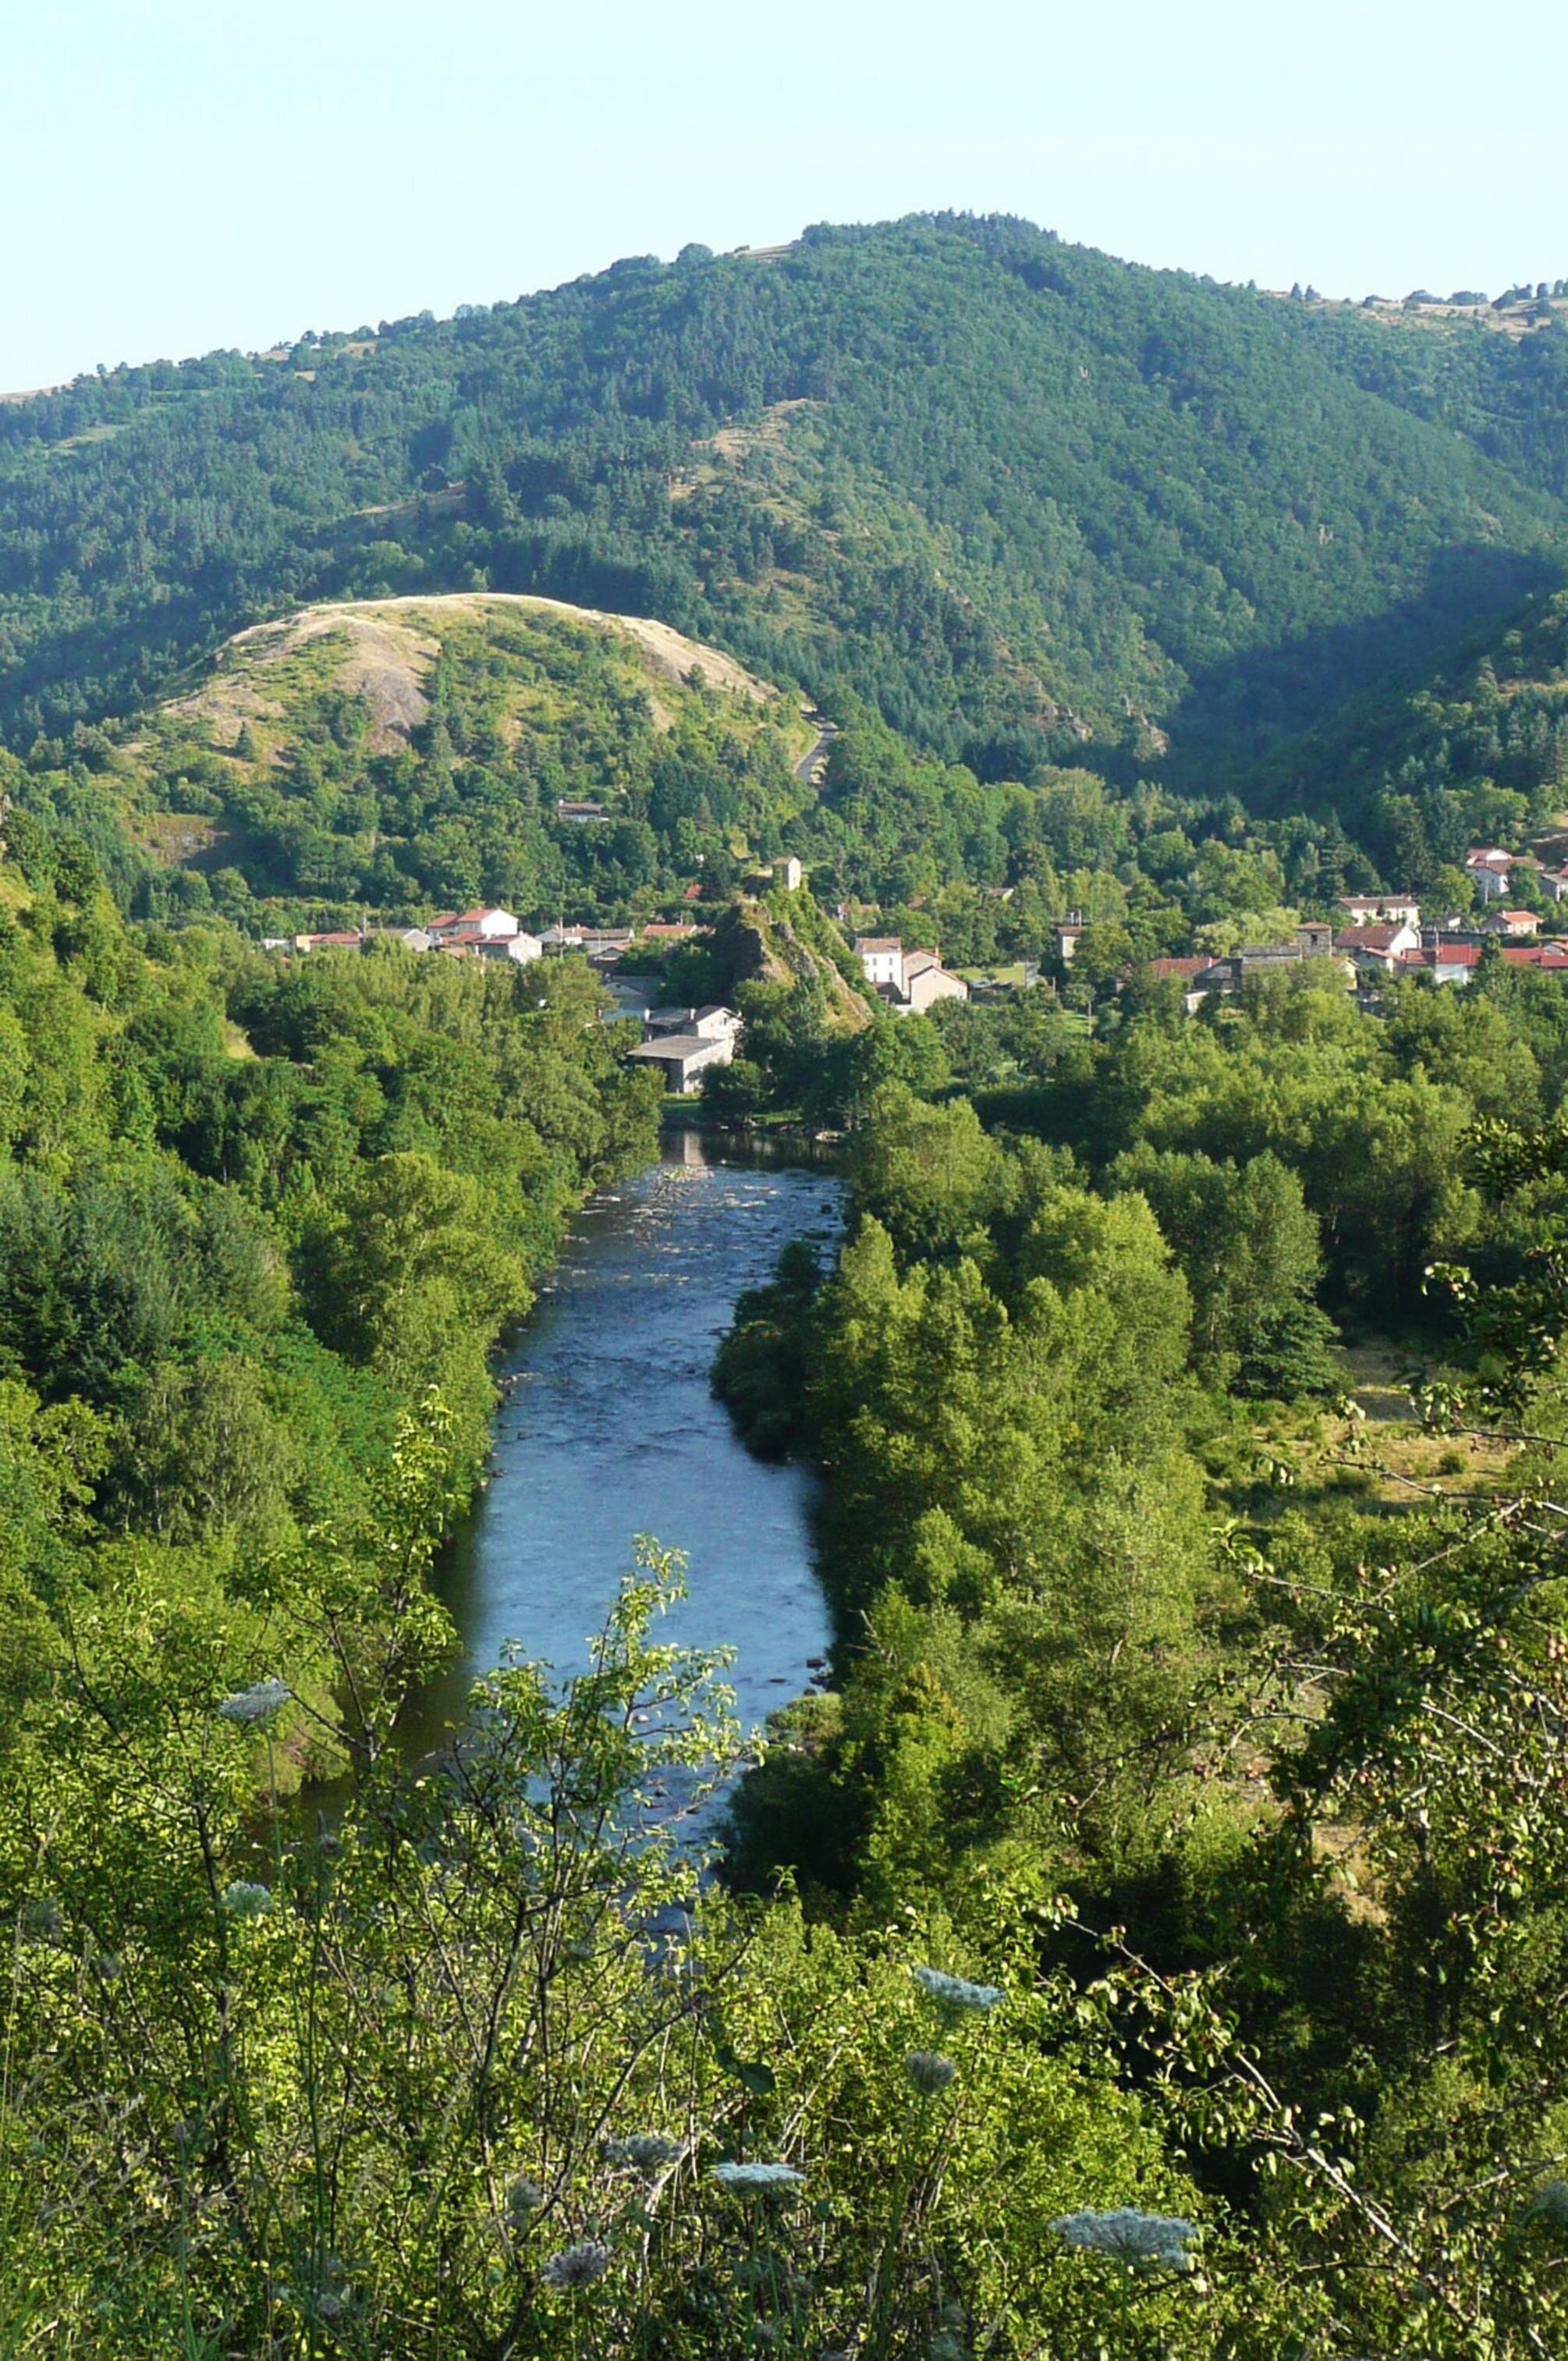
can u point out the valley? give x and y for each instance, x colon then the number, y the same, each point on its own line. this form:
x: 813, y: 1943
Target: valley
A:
x: 612, y: 1744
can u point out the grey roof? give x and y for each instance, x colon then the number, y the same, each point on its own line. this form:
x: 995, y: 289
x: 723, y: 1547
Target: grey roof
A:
x: 677, y: 1045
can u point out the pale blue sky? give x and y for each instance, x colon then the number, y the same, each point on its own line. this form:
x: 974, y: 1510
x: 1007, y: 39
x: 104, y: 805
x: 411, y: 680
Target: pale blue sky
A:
x: 187, y: 173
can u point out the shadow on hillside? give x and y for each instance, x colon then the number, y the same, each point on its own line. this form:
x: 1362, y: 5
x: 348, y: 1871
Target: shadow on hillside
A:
x: 1238, y: 716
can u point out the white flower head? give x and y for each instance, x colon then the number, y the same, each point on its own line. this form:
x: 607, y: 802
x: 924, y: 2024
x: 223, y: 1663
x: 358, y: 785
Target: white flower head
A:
x: 1145, y: 2242
x: 577, y: 2266
x: 745, y: 2178
x: 928, y: 2071
x: 1551, y: 2204
x: 951, y: 1992
x: 244, y: 1901
x: 644, y: 2151
x: 257, y: 1704
x: 522, y: 2198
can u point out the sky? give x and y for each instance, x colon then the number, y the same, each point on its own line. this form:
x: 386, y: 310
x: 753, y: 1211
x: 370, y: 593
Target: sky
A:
x: 178, y: 177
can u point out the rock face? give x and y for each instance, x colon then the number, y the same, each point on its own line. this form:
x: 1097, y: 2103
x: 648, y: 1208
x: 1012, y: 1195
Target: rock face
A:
x: 753, y: 946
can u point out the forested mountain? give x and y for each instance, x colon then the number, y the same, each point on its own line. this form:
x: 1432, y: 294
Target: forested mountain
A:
x: 1475, y: 744
x: 1016, y: 494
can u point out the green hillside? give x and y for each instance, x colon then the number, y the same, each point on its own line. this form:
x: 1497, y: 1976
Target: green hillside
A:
x: 1020, y: 496
x: 401, y: 755
x: 1473, y: 747
x: 398, y: 755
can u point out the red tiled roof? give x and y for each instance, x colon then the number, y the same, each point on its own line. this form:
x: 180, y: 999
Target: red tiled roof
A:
x: 1162, y: 969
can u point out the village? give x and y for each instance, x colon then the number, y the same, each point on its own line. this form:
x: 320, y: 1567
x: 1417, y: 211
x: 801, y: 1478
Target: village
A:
x: 1373, y: 936
x: 1376, y: 936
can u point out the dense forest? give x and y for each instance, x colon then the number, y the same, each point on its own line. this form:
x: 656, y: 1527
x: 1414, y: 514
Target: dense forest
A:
x: 1146, y: 1942
x: 1012, y: 492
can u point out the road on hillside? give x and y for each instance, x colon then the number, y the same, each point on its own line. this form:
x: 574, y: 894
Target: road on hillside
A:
x: 806, y: 769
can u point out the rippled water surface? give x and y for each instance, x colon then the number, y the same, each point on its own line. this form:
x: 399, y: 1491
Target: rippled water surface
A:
x: 610, y: 1431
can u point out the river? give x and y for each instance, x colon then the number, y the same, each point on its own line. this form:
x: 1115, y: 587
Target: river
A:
x: 608, y: 1430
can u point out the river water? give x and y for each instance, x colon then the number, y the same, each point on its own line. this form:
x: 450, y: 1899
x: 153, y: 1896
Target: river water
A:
x: 608, y: 1429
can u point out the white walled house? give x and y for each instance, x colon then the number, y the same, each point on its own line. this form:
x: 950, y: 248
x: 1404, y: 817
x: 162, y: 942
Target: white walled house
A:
x: 1377, y: 947
x: 483, y: 923
x: 1488, y: 868
x: 882, y: 957
x: 520, y: 947
x: 1371, y: 910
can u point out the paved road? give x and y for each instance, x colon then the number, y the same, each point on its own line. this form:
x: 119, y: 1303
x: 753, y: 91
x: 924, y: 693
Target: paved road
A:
x: 806, y: 769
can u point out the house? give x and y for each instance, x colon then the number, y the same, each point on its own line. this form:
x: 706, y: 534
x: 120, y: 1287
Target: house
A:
x: 346, y: 939
x: 1550, y: 958
x: 882, y: 957
x: 488, y: 921
x: 1377, y: 947
x: 683, y: 1044
x: 1368, y: 909
x: 413, y: 939
x: 1512, y: 923
x: 1445, y: 962
x: 788, y: 873
x: 1554, y: 884
x: 713, y: 1022
x: 926, y: 981
x: 602, y: 944
x: 579, y: 814
x: 597, y: 942
x: 472, y: 926
x: 1488, y: 868
x: 522, y: 947
x: 1065, y: 937
x: 1177, y: 971
x: 674, y: 930
x: 915, y: 980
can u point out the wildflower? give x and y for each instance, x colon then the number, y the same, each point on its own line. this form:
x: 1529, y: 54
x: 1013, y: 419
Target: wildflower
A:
x: 244, y: 1901
x: 577, y: 2266
x: 1143, y: 2241
x: 951, y: 1992
x: 1551, y: 2204
x: 257, y: 1704
x: 930, y: 2071
x: 522, y: 2198
x: 757, y: 2176
x: 644, y: 2151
